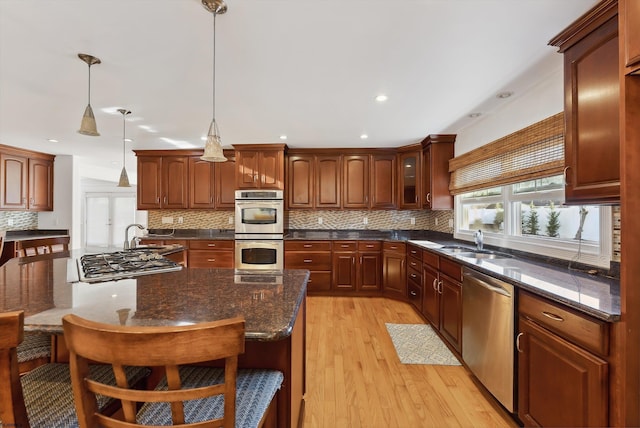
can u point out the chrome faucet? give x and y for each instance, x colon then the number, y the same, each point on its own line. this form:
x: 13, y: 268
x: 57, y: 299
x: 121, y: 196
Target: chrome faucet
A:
x: 133, y: 243
x: 477, y: 238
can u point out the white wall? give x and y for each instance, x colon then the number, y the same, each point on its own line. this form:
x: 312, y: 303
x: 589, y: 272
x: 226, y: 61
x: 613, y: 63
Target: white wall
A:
x: 538, y: 102
x: 63, y: 215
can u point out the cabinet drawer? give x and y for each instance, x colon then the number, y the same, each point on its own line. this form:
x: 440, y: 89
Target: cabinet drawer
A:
x: 432, y: 259
x: 369, y: 246
x: 414, y: 275
x: 414, y: 263
x: 414, y: 251
x: 201, y: 244
x: 578, y: 328
x: 400, y: 247
x: 450, y: 268
x: 415, y: 295
x: 345, y: 246
x: 319, y: 281
x: 210, y: 259
x: 311, y: 261
x: 307, y: 245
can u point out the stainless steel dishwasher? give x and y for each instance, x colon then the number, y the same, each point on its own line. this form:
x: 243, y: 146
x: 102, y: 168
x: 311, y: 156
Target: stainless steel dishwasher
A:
x: 488, y: 333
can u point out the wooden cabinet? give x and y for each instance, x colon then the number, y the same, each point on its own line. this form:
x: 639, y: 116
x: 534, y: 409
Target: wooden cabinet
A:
x: 314, y: 256
x: 26, y: 180
x: 592, y: 129
x: 355, y: 188
x: 369, y: 181
x: 180, y: 257
x: 357, y: 266
x: 630, y: 15
x: 394, y: 269
x: 442, y: 298
x: 559, y: 367
x: 437, y: 149
x: 212, y: 184
x: 410, y: 178
x: 313, y: 181
x: 205, y: 253
x: 414, y: 276
x: 163, y: 181
x: 260, y: 166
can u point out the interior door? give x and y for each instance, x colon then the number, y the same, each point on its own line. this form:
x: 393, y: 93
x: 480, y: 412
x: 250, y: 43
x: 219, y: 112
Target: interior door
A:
x: 106, y: 217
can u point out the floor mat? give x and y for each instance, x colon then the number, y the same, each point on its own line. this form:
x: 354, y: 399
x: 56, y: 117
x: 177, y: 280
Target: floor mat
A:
x: 419, y: 344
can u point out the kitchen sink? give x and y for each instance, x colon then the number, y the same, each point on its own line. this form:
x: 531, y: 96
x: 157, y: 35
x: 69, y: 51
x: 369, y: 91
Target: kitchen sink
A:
x: 456, y: 249
x: 481, y: 255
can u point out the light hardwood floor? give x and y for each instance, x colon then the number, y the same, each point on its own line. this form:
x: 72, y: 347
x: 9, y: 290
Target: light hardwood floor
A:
x: 355, y: 379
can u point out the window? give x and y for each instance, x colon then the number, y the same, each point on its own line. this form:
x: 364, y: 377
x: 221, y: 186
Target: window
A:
x: 531, y: 216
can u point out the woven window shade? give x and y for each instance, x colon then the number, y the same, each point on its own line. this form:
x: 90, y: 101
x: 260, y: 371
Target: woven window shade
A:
x: 533, y: 152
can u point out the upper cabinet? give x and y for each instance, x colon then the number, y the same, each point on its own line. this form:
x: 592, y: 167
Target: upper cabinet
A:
x: 26, y: 180
x: 260, y: 166
x: 162, y: 180
x: 212, y: 184
x: 437, y: 151
x: 369, y: 181
x: 630, y: 15
x: 313, y: 180
x: 592, y: 105
x: 410, y: 177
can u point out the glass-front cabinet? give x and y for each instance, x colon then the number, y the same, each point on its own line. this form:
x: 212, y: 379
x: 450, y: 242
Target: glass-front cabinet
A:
x: 410, y: 178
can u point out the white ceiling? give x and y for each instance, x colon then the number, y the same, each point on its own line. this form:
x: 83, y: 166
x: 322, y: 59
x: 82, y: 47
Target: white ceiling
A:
x: 309, y: 69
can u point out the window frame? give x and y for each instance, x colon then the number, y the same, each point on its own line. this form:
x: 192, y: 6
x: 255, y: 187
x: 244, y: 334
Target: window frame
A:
x: 585, y: 252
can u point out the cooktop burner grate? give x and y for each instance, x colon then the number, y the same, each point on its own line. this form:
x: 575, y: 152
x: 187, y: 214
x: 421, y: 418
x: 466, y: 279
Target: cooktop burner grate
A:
x: 123, y: 264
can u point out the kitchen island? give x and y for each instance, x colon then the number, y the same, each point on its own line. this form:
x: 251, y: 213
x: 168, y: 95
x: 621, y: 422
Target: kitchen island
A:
x: 273, y: 308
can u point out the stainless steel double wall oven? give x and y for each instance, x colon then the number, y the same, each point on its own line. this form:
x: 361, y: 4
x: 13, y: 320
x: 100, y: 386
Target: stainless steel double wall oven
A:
x: 259, y: 231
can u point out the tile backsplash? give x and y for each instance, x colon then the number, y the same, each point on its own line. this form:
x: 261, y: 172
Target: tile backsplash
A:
x: 307, y: 219
x: 18, y: 220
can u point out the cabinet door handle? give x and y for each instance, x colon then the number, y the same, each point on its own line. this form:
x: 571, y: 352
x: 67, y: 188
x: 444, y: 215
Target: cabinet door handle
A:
x: 158, y: 200
x: 429, y: 197
x: 307, y: 261
x: 440, y: 288
x: 552, y: 316
x: 211, y: 245
x: 211, y: 260
x: 435, y: 284
x: 344, y: 246
x: 307, y: 245
x: 413, y: 293
x: 413, y: 275
x: 518, y: 342
x: 369, y: 245
x: 564, y: 174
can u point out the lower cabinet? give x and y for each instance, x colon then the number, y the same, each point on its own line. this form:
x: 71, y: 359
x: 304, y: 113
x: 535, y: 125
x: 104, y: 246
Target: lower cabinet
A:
x: 394, y: 269
x: 563, y: 376
x: 357, y: 266
x: 314, y: 256
x: 442, y: 296
x: 211, y: 253
x: 180, y: 257
x: 414, y: 276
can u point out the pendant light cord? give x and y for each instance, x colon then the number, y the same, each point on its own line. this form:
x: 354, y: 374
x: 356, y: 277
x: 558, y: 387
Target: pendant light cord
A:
x: 89, y: 91
x: 214, y: 66
x: 124, y: 138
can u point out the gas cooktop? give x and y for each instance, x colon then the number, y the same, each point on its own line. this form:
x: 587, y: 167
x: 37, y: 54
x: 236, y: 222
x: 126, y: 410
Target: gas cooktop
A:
x: 123, y: 264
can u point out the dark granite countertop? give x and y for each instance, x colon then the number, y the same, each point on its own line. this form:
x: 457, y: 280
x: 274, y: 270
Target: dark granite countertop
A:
x: 594, y: 295
x: 187, y: 234
x: 24, y: 235
x: 269, y: 304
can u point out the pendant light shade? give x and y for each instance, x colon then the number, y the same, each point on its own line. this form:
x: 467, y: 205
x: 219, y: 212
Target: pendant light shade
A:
x: 124, y: 178
x: 88, y: 124
x: 213, y: 147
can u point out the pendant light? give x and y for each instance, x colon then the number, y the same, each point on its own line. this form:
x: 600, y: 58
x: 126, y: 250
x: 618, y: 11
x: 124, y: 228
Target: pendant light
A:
x: 213, y: 147
x: 88, y: 125
x: 124, y: 178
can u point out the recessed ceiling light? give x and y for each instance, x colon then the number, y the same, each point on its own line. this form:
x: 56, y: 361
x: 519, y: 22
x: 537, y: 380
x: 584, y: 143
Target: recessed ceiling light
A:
x: 381, y: 98
x: 52, y: 140
x: 283, y: 137
x: 505, y: 94
x: 474, y: 115
x: 128, y: 140
x: 364, y: 136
